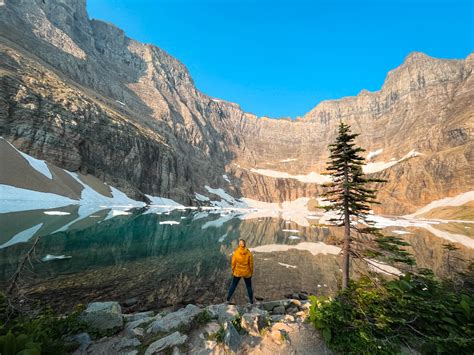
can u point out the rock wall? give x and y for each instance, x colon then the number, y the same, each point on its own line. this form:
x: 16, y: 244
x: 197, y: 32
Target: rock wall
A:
x: 81, y: 94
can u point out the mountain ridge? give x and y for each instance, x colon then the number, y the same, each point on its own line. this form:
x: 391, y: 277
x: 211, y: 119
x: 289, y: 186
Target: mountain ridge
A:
x: 162, y: 136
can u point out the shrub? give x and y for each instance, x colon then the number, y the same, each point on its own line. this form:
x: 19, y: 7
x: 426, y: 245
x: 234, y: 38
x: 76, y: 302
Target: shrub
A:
x: 412, y: 312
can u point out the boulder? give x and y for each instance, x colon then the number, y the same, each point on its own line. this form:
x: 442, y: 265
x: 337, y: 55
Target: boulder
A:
x: 210, y: 328
x: 227, y: 312
x: 130, y: 302
x: 80, y: 341
x: 269, y: 306
x: 303, y: 296
x: 292, y: 310
x: 173, y: 320
x: 132, y: 326
x: 173, y: 340
x: 253, y: 322
x: 279, y: 332
x: 231, y: 337
x: 276, y: 317
x: 295, y: 303
x: 213, y: 310
x: 136, y: 316
x: 103, y: 316
x: 279, y: 310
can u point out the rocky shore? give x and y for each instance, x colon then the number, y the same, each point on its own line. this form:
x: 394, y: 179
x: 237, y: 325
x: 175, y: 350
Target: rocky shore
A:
x: 276, y: 327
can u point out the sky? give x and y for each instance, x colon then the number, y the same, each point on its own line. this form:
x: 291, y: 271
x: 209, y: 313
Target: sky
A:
x: 281, y: 58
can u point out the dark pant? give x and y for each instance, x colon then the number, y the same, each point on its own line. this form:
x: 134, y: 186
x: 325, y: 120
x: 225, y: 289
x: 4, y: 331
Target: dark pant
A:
x: 235, y: 282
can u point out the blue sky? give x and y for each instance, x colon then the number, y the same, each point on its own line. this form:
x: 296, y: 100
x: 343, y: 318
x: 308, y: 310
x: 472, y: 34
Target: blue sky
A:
x: 280, y: 58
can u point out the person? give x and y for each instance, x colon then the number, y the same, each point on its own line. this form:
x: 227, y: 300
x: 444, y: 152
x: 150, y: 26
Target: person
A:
x: 242, y: 266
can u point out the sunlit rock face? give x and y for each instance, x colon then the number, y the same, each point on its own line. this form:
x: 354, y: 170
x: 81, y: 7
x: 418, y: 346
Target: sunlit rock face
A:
x: 82, y: 95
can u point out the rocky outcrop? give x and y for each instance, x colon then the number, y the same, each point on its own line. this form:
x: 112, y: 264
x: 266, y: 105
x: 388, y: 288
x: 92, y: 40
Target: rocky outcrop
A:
x: 82, y: 95
x: 252, y: 331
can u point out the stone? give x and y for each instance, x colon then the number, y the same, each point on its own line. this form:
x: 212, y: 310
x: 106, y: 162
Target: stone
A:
x: 253, y: 323
x: 227, y: 312
x: 279, y: 310
x: 269, y: 306
x: 289, y: 318
x: 213, y: 310
x: 210, y: 328
x: 173, y: 320
x: 279, y: 332
x: 302, y: 296
x: 292, y: 309
x: 231, y: 337
x: 130, y: 302
x: 80, y: 341
x: 168, y: 342
x: 103, y: 316
x: 130, y: 328
x: 127, y: 343
x: 295, y: 302
x: 136, y: 316
x: 276, y: 317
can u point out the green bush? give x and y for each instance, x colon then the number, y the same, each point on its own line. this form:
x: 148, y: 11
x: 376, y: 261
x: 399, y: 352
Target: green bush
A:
x: 412, y: 312
x: 39, y: 334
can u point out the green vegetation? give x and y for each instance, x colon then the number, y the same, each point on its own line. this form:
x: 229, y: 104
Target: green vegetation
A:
x: 413, y: 312
x: 41, y: 333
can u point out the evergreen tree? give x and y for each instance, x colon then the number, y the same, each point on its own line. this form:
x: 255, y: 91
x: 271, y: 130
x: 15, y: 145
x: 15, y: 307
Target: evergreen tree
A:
x: 350, y: 198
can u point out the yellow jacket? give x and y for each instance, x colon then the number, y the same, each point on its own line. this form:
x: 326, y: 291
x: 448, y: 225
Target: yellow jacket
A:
x: 242, y: 263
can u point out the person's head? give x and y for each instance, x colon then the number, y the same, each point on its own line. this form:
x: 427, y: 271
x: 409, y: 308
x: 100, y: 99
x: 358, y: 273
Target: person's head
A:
x: 242, y: 243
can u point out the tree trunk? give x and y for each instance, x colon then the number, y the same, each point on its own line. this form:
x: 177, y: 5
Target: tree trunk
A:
x: 347, y: 235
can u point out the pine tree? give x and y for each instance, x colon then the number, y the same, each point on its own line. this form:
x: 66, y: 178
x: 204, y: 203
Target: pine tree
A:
x: 350, y: 198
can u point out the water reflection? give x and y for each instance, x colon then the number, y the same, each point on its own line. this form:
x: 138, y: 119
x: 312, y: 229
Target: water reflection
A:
x: 166, y: 257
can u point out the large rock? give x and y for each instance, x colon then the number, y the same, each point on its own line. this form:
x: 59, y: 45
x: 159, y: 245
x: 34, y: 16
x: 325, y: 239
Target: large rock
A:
x: 136, y: 316
x: 135, y: 328
x: 174, y: 319
x: 103, y: 316
x: 269, y: 306
x: 232, y: 338
x: 168, y: 342
x: 227, y: 312
x: 253, y: 322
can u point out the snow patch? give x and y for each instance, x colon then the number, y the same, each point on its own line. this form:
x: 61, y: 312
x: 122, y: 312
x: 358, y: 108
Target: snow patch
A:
x: 458, y: 200
x: 201, y: 198
x: 38, y: 165
x: 372, y: 155
x: 50, y: 257
x: 157, y: 201
x: 23, y: 236
x: 56, y: 213
x: 171, y: 223
x: 313, y: 178
x: 287, y: 265
x: 226, y: 178
x: 400, y: 232
x: 16, y: 199
x: 314, y: 248
x: 371, y: 168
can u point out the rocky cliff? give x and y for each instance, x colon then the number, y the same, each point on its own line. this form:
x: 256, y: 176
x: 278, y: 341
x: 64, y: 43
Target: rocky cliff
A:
x: 82, y: 95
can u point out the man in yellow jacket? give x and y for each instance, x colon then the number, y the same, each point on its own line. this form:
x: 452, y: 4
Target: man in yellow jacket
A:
x: 242, y: 266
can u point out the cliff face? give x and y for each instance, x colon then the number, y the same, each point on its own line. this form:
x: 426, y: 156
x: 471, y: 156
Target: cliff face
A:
x: 80, y: 94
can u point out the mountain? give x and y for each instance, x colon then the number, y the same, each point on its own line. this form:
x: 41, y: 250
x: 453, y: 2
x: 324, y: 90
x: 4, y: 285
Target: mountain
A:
x: 80, y: 94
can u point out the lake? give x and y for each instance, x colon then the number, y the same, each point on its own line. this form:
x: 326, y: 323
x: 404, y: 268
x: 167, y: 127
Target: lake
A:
x: 169, y: 257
